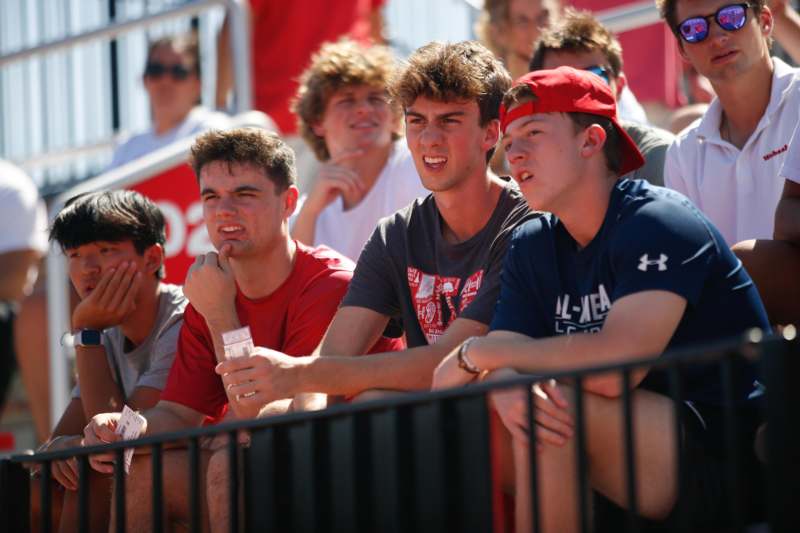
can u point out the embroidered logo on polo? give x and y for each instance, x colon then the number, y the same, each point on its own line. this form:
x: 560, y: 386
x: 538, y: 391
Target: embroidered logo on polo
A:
x: 586, y: 313
x: 430, y: 291
x: 775, y: 152
x: 645, y: 263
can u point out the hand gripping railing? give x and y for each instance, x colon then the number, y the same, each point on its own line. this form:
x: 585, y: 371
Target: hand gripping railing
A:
x: 240, y: 41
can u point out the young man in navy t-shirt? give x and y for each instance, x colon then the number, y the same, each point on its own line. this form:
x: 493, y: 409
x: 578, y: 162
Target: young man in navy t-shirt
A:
x: 636, y: 267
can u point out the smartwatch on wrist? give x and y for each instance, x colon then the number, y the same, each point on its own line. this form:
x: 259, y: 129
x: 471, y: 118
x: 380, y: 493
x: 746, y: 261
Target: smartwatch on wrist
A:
x: 87, y: 338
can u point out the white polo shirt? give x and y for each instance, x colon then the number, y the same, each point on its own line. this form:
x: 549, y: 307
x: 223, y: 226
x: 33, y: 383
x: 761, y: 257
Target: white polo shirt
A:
x: 791, y: 165
x: 738, y: 190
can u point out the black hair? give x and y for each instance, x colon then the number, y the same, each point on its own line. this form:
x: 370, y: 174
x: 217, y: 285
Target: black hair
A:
x: 185, y: 44
x: 111, y: 216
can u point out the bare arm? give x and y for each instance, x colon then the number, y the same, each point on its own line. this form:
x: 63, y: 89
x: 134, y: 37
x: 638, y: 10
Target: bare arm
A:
x: 100, y: 393
x: 637, y: 325
x: 786, y: 27
x: 15, y: 266
x: 71, y: 422
x: 224, y: 70
x: 271, y: 375
x: 410, y: 369
x: 68, y: 433
x: 170, y: 416
x: 787, y: 214
x: 376, y: 26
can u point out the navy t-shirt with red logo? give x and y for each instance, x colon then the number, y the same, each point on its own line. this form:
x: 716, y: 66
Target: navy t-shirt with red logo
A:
x: 651, y: 239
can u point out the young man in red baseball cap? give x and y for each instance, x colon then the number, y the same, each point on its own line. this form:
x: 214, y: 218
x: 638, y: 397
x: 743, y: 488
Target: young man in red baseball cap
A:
x: 639, y: 270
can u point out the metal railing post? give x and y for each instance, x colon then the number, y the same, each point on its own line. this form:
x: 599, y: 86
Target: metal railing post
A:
x: 14, y: 496
x: 782, y: 366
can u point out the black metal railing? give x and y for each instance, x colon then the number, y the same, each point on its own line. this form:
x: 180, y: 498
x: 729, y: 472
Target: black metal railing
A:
x: 422, y: 462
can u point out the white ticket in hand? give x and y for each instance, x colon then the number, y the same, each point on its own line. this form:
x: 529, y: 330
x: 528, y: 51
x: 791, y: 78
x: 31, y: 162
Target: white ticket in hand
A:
x: 238, y: 343
x: 129, y: 427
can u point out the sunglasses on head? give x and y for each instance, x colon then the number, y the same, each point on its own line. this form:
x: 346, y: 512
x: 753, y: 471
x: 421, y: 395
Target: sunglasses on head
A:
x: 730, y: 18
x: 156, y: 70
x: 600, y: 71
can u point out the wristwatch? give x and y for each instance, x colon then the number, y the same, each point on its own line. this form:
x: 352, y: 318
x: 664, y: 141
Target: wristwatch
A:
x: 85, y: 337
x: 464, y: 362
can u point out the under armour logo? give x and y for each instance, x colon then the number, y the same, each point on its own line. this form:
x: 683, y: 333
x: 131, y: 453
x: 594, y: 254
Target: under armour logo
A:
x: 645, y: 262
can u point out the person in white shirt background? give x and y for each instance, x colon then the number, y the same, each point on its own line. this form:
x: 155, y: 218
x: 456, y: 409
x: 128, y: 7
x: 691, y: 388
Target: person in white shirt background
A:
x: 366, y: 170
x: 171, y: 78
x: 729, y: 162
x: 23, y: 242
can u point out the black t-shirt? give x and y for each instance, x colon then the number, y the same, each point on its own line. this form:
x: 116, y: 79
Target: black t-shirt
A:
x: 408, y: 270
x: 651, y: 239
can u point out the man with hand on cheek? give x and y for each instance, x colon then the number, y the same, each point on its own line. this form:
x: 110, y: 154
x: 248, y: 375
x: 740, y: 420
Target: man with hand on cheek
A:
x: 620, y: 269
x: 124, y: 329
x: 285, y: 292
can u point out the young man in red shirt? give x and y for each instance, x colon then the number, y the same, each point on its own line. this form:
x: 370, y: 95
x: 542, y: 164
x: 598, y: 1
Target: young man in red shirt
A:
x: 285, y: 292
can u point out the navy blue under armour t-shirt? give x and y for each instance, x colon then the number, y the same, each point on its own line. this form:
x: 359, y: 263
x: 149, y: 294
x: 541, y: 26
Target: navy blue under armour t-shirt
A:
x: 651, y: 239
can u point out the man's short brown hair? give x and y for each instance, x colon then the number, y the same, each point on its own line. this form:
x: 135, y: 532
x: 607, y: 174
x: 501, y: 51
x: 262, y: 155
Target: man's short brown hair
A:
x: 578, y: 31
x: 336, y: 65
x: 669, y: 12
x: 612, y: 149
x: 247, y: 146
x: 453, y: 72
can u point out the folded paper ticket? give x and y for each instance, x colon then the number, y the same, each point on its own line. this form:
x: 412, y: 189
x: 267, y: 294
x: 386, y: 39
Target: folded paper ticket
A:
x: 238, y: 342
x: 129, y: 427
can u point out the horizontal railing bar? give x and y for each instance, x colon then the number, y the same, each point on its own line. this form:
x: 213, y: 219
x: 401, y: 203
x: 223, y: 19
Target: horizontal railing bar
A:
x: 697, y: 354
x: 110, y: 31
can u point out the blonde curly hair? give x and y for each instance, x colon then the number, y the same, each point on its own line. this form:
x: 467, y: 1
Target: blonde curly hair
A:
x: 341, y: 64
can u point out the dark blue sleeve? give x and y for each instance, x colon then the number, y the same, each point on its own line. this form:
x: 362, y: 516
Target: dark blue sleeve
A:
x: 662, y: 245
x: 518, y: 306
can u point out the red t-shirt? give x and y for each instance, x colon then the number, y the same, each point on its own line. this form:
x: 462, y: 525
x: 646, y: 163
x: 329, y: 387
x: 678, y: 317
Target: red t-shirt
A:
x: 292, y: 320
x: 286, y: 35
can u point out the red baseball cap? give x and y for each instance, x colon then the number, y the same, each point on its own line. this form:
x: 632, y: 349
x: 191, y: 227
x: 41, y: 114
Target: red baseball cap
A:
x: 568, y: 90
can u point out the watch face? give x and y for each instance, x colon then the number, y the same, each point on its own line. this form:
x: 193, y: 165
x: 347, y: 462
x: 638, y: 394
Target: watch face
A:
x: 88, y: 337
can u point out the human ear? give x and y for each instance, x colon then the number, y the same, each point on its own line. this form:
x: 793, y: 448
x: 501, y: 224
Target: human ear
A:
x: 765, y: 21
x: 594, y: 140
x: 290, y: 196
x: 491, y: 134
x: 621, y: 82
x: 153, y: 258
x: 318, y: 129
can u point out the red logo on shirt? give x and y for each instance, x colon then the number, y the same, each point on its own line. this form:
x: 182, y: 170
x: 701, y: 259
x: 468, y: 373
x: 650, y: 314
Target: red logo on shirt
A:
x: 776, y: 152
x: 430, y: 291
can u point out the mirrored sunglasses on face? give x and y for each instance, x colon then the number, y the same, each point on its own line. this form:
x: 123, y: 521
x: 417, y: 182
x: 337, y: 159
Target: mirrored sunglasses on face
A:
x: 600, y: 71
x: 730, y: 18
x: 156, y: 70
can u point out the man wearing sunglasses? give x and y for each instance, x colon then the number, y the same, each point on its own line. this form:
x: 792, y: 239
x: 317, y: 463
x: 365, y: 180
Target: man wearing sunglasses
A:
x: 728, y: 162
x: 580, y: 41
x: 172, y: 80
